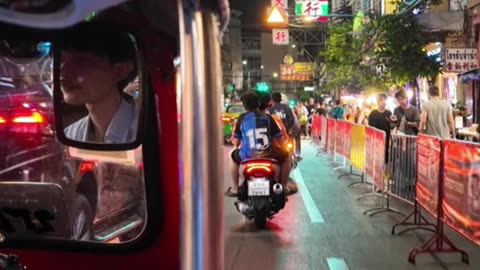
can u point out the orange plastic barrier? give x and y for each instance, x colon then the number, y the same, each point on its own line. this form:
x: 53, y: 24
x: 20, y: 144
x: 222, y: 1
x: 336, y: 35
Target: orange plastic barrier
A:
x: 357, y: 149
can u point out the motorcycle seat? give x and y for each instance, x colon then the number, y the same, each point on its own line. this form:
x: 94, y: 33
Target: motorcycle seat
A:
x: 271, y: 160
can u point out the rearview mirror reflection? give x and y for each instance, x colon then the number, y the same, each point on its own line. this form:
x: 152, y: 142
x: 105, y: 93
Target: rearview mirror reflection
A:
x: 100, y: 88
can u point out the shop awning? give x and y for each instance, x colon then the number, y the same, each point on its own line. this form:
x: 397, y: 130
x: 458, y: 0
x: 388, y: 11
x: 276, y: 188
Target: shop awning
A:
x: 442, y: 21
x: 471, y: 75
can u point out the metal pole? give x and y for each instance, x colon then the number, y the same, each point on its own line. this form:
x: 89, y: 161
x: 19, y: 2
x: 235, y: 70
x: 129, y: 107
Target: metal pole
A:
x: 201, y: 159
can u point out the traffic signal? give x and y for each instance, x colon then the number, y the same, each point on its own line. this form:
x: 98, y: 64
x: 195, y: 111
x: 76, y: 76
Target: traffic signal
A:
x: 263, y: 87
x: 231, y: 87
x: 292, y: 103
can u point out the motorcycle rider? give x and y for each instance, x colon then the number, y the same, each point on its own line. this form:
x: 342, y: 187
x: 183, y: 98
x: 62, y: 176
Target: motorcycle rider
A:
x: 290, y: 121
x: 265, y: 103
x: 255, y: 135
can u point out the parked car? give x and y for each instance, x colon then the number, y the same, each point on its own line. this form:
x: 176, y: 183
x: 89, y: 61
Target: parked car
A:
x: 229, y: 117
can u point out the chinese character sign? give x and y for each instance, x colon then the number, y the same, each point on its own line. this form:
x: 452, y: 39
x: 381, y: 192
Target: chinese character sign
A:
x: 311, y: 8
x: 280, y: 37
x: 282, y: 4
x: 460, y: 60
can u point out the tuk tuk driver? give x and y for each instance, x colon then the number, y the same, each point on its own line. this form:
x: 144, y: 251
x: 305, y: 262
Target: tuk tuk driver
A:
x: 254, y: 135
x: 94, y: 73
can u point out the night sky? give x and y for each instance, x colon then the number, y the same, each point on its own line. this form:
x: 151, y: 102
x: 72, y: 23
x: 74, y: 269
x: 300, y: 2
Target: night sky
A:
x: 253, y: 10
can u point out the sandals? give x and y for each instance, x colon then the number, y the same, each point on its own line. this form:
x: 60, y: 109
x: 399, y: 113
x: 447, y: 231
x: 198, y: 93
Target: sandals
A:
x: 229, y: 193
x: 290, y: 191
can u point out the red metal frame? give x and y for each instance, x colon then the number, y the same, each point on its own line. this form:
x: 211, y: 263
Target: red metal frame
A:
x: 439, y: 243
x: 165, y: 252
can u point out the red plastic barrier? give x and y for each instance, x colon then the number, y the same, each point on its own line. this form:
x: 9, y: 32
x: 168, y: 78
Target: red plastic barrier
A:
x: 316, y: 126
x: 347, y: 143
x: 369, y: 151
x: 461, y: 188
x: 340, y: 138
x: 428, y: 168
x: 379, y: 165
x: 375, y: 155
x: 331, y: 135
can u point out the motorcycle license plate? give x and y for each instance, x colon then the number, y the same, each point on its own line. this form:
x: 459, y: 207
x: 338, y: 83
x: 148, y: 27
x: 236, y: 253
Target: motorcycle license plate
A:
x: 259, y: 187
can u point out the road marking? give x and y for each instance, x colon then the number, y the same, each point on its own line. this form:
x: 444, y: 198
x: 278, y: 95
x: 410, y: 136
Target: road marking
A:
x: 336, y: 264
x: 312, y: 209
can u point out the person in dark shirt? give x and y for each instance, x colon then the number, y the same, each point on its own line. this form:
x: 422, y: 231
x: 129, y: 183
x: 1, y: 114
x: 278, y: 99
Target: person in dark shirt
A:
x: 380, y: 118
x: 321, y: 108
x: 253, y: 137
x: 283, y: 112
x: 406, y: 116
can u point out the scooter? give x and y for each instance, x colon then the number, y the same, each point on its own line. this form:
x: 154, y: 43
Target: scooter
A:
x: 260, y: 194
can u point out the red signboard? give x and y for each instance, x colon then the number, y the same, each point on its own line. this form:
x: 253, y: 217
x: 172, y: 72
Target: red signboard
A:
x: 288, y: 73
x: 461, y: 185
x: 428, y: 167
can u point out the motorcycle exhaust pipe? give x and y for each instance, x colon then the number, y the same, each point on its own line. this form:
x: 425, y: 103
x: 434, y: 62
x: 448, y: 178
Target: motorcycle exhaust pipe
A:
x: 277, y: 188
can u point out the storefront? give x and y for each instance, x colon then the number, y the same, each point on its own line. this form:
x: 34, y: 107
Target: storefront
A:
x: 470, y: 82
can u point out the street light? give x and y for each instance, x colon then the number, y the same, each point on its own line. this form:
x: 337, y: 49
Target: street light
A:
x: 293, y: 45
x: 244, y: 62
x: 261, y: 67
x: 275, y: 75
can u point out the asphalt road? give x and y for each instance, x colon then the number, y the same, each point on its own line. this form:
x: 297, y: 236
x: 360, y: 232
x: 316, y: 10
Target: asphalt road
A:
x: 323, y: 227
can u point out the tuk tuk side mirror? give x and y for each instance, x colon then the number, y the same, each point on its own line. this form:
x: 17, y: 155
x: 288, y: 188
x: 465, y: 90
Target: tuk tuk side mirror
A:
x: 98, y: 89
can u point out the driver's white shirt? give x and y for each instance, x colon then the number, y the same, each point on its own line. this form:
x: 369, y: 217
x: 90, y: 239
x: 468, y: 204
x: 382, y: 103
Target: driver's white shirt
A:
x: 122, y: 128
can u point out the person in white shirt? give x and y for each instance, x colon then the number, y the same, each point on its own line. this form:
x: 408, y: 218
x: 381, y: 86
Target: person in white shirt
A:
x: 95, y: 73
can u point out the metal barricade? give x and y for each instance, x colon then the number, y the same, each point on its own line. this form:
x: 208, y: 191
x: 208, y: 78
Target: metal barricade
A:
x: 402, y: 167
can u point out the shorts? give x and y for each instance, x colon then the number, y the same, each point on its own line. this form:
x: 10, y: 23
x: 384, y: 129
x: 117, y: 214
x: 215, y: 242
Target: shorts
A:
x: 276, y: 153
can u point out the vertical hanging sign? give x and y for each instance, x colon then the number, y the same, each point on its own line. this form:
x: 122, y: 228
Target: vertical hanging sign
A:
x: 280, y: 37
x: 282, y: 4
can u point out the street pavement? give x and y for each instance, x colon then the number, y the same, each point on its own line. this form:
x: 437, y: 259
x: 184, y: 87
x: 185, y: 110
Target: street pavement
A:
x: 323, y: 228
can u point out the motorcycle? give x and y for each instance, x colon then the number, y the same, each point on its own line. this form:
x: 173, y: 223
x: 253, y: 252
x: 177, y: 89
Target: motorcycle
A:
x: 260, y: 194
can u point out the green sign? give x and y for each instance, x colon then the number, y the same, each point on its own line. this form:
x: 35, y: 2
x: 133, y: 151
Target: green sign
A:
x: 311, y: 8
x: 292, y: 103
x: 263, y: 87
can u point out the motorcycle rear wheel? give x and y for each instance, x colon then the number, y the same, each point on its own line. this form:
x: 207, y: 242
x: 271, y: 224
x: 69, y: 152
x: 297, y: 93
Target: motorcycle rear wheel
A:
x: 260, y: 221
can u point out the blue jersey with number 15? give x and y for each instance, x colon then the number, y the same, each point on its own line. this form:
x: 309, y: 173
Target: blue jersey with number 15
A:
x: 255, y: 130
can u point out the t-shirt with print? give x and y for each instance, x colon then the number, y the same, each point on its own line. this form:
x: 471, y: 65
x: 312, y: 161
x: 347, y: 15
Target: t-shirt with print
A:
x: 409, y: 114
x: 255, y: 130
x: 285, y: 113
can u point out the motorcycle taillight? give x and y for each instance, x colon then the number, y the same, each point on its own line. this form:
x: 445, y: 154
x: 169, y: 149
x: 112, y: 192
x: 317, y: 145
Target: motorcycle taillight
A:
x: 258, y: 169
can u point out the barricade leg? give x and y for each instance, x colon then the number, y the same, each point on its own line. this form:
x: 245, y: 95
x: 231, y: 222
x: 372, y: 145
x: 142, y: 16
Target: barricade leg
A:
x: 362, y: 180
x: 439, y: 243
x: 385, y: 208
x: 374, y: 193
x: 344, y: 165
x: 419, y: 222
x: 350, y: 173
